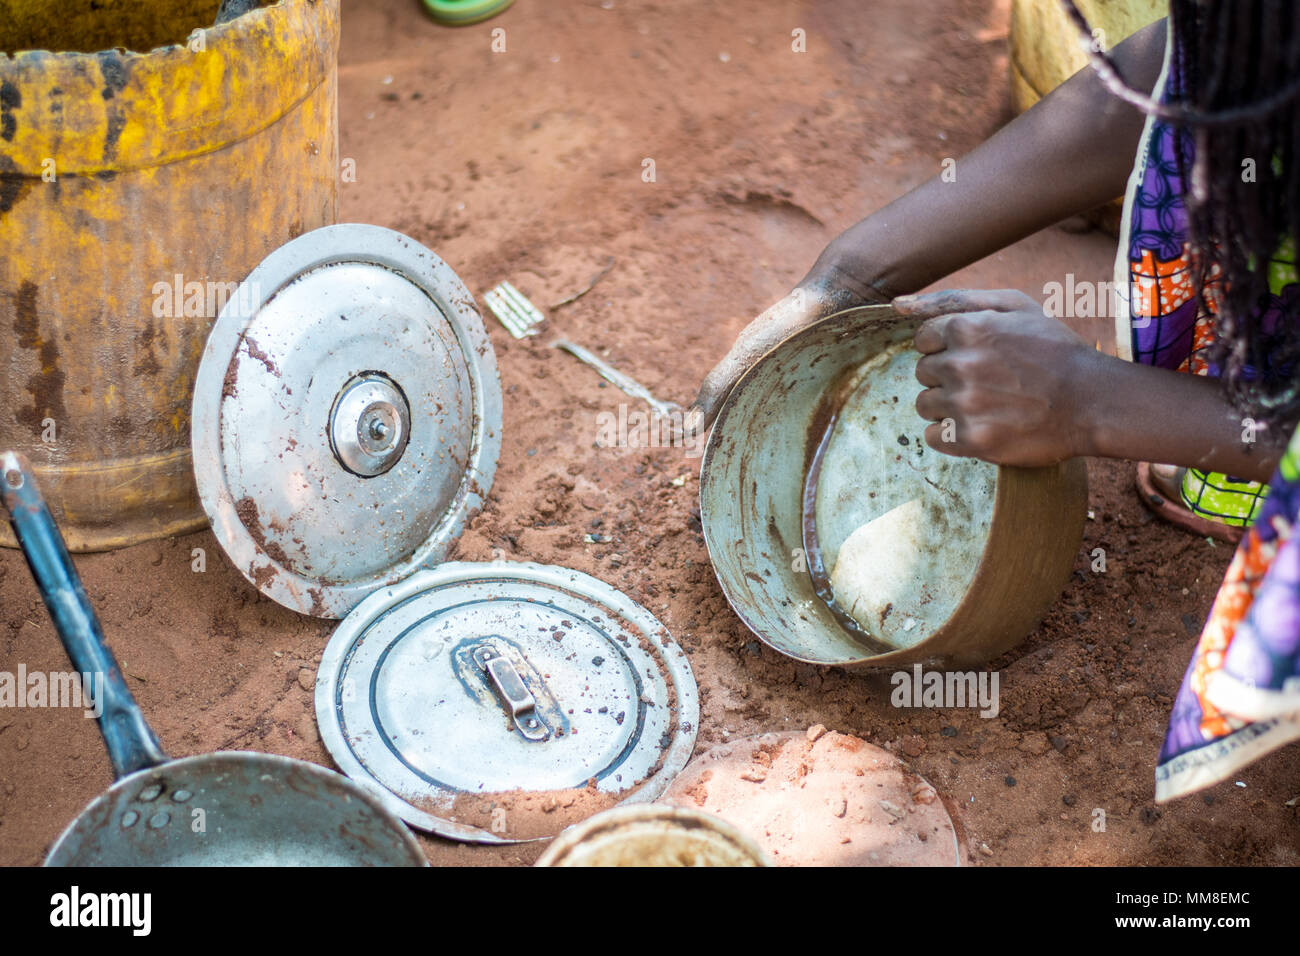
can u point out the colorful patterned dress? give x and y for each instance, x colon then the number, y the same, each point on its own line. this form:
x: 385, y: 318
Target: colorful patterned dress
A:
x: 1240, y: 697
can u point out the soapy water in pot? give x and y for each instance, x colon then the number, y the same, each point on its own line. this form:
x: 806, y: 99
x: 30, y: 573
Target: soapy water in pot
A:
x: 893, y: 531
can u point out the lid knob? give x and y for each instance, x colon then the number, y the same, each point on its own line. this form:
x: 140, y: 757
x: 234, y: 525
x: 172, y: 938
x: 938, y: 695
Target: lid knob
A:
x: 370, y: 425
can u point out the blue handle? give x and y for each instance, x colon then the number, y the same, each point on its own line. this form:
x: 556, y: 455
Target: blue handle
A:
x: 131, y: 743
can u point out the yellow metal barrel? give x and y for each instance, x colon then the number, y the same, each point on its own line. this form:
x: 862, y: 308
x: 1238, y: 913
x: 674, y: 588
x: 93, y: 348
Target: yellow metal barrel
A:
x: 1045, y: 48
x: 136, y: 191
x: 1045, y: 52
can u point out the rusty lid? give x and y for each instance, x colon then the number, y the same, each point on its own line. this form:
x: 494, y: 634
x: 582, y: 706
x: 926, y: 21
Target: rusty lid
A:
x: 492, y: 702
x: 346, y: 417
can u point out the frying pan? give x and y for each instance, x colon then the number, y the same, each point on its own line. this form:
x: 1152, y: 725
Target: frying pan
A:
x: 220, y: 809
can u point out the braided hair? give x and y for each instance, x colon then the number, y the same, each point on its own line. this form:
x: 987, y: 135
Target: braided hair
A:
x: 1238, y: 102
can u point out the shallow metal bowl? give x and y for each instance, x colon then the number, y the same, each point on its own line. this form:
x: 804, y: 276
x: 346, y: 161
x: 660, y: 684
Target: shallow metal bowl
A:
x: 1010, y: 534
x: 236, y: 808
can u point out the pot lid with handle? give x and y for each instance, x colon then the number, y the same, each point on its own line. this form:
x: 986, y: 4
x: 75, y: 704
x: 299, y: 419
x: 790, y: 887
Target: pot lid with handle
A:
x: 484, y: 696
x: 346, y: 417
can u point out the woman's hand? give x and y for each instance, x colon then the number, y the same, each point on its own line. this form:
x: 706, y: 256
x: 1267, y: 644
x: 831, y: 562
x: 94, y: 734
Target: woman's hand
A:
x: 811, y: 300
x: 1004, y: 382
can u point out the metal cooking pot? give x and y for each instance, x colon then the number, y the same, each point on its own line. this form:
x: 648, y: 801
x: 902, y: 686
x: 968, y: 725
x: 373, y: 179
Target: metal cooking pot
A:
x: 986, y: 547
x: 653, y: 835
x: 224, y: 809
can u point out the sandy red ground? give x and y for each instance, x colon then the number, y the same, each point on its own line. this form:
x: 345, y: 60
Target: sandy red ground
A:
x: 527, y: 166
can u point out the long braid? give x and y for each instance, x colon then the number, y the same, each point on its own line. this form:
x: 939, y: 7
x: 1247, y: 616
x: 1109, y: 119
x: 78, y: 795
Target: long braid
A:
x: 1239, y: 107
x: 1239, y: 224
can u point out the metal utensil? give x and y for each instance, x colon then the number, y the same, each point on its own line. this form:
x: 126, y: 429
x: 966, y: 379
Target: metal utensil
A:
x: 480, y: 678
x: 653, y: 835
x: 227, y: 808
x: 621, y: 380
x: 521, y: 318
x: 513, y: 309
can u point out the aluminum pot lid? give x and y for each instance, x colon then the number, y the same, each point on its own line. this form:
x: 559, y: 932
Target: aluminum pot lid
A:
x: 346, y: 417
x: 469, y: 691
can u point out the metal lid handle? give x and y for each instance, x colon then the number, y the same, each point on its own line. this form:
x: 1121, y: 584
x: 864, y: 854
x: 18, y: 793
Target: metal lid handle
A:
x: 513, y: 693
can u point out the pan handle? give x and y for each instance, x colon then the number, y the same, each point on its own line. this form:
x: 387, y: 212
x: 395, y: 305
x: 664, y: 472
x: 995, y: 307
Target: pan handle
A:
x: 131, y: 743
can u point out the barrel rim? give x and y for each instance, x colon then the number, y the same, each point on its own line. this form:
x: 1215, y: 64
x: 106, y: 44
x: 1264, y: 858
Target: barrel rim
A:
x: 115, y: 118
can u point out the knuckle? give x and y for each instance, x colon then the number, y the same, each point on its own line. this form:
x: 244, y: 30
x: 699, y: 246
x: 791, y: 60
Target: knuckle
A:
x: 980, y: 438
x: 960, y: 329
x: 952, y: 299
x: 964, y: 369
x: 969, y: 401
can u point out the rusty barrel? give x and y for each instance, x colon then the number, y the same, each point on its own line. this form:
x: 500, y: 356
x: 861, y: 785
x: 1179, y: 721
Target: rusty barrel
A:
x: 1045, y: 52
x: 137, y: 189
x: 1045, y: 49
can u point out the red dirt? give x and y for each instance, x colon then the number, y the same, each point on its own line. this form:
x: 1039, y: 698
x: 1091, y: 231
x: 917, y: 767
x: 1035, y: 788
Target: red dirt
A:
x: 527, y: 166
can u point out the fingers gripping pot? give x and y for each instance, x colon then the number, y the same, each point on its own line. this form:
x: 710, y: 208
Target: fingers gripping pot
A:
x: 840, y: 537
x: 347, y: 422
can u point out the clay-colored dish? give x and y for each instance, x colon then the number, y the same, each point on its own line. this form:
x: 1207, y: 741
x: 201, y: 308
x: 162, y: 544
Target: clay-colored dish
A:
x: 821, y: 799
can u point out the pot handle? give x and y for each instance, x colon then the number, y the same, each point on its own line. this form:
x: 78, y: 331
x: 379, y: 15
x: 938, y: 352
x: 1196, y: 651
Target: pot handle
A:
x: 131, y: 743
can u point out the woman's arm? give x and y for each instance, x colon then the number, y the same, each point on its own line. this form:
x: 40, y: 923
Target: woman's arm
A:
x: 1152, y: 414
x: 1007, y: 384
x: 1073, y: 151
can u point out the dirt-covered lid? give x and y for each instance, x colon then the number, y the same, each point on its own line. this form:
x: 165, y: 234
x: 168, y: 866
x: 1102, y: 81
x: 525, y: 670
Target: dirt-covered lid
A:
x: 346, y: 417
x: 481, y: 698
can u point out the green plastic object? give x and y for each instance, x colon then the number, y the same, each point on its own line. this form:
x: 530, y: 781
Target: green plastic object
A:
x: 459, y: 13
